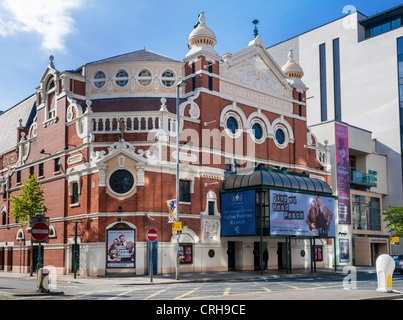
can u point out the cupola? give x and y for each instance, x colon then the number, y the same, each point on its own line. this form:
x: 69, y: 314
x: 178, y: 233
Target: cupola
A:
x: 291, y: 68
x: 202, y: 38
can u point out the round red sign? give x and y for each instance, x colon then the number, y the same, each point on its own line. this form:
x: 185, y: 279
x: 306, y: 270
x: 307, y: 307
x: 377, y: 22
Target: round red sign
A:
x: 152, y: 235
x: 40, y: 231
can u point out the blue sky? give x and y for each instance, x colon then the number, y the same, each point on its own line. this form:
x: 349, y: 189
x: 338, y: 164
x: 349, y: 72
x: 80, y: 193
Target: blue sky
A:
x: 76, y: 32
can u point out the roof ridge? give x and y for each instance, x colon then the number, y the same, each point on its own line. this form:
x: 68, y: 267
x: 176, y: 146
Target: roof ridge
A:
x: 130, y: 53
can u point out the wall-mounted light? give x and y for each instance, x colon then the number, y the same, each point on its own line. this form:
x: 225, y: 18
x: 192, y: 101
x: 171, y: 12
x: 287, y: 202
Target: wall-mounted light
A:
x: 43, y: 152
x: 66, y: 146
x: 210, y: 64
x: 209, y: 184
x: 207, y: 123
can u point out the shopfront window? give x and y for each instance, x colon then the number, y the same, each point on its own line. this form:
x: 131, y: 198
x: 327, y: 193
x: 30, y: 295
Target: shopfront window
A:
x: 366, y: 213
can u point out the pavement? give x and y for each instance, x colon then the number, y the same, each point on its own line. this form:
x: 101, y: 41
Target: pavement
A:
x: 197, y: 277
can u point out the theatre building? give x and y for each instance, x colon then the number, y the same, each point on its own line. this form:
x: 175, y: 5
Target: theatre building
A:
x: 102, y: 141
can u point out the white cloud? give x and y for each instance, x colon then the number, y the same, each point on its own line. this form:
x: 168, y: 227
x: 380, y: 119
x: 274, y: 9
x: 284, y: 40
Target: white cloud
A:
x: 51, y: 19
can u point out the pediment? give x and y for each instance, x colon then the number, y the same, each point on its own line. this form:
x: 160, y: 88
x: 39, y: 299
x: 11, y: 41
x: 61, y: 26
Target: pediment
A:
x: 120, y: 148
x: 254, y: 68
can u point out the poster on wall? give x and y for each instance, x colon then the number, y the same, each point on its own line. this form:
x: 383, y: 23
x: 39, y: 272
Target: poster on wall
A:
x: 238, y: 213
x: 120, y: 249
x: 297, y: 214
x: 185, y: 253
x: 344, y: 250
x: 343, y: 174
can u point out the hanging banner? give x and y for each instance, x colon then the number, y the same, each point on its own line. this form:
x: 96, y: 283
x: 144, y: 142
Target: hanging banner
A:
x: 297, y: 214
x: 343, y: 174
x: 238, y: 213
x: 172, y: 209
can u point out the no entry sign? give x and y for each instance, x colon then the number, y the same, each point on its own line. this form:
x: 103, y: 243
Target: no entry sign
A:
x: 40, y: 231
x: 152, y: 235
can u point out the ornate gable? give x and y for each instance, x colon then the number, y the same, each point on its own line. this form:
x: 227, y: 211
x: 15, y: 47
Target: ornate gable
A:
x: 251, y: 74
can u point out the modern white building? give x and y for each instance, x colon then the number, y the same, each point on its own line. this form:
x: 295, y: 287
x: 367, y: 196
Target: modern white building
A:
x: 354, y: 69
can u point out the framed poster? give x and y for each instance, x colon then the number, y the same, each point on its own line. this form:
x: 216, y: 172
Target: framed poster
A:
x: 344, y: 250
x: 298, y: 214
x: 185, y: 253
x: 238, y: 213
x: 120, y: 248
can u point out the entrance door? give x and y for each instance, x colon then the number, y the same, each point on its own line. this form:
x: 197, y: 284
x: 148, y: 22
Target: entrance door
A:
x: 1, y: 258
x: 231, y: 255
x: 153, y: 246
x: 75, y: 258
x: 374, y: 253
x: 281, y: 255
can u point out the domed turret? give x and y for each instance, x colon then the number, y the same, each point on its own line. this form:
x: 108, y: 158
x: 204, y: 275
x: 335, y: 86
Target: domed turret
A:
x: 202, y: 35
x: 291, y: 68
x: 202, y: 38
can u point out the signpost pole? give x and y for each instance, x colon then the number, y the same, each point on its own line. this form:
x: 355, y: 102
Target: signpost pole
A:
x: 39, y: 257
x: 151, y: 261
x: 74, y: 251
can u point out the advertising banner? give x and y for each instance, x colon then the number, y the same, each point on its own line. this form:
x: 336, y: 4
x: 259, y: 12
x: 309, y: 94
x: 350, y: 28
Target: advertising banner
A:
x: 238, y: 213
x: 297, y: 214
x: 343, y: 174
x: 120, y: 252
x: 173, y: 212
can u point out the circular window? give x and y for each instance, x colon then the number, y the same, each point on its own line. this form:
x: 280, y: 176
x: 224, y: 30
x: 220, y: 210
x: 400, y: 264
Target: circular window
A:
x: 232, y: 125
x: 121, y: 181
x: 257, y: 131
x: 280, y: 136
x: 99, y: 79
x: 168, y: 78
x: 121, y: 78
x: 144, y: 78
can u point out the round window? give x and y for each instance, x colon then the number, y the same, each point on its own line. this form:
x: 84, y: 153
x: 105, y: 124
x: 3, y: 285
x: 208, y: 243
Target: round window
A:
x: 280, y: 136
x: 99, y: 79
x: 232, y: 125
x: 144, y: 77
x: 168, y: 78
x: 257, y: 131
x: 122, y: 78
x: 121, y: 181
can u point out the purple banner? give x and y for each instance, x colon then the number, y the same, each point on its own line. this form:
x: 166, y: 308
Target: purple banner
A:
x: 343, y: 174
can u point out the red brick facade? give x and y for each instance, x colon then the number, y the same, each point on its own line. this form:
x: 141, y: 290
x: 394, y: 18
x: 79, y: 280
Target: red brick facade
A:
x: 84, y: 128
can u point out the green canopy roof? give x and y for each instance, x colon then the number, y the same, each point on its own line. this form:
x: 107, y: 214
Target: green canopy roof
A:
x: 269, y: 178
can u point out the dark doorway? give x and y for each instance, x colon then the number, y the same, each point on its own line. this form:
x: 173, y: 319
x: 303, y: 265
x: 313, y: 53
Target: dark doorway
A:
x: 2, y: 258
x: 231, y: 255
x: 281, y: 254
x: 75, y: 258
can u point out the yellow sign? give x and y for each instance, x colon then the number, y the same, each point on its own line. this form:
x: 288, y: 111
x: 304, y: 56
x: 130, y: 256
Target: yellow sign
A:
x: 394, y: 239
x: 177, y: 226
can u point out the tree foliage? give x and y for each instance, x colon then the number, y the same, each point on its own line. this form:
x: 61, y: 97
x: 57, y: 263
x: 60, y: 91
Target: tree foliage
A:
x: 29, y: 202
x: 394, y: 219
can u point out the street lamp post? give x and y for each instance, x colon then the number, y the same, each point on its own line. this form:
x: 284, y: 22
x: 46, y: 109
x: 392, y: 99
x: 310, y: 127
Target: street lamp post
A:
x: 179, y: 85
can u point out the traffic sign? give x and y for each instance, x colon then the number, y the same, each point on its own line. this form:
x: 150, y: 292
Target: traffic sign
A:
x: 40, y: 231
x: 152, y: 235
x: 177, y: 226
